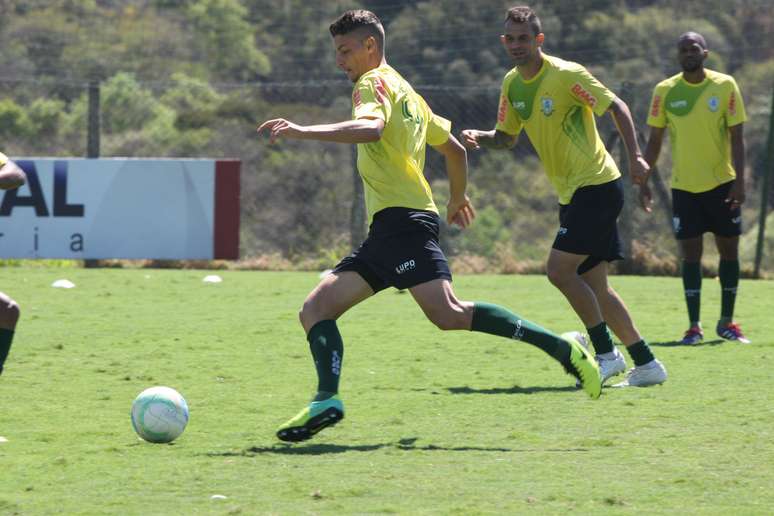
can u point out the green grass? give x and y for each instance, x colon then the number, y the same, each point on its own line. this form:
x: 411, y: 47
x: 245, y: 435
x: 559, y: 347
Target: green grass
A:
x: 445, y: 423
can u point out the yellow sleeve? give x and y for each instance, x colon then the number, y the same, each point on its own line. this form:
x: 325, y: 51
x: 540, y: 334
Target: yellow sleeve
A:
x: 508, y: 120
x: 438, y: 130
x: 3, y: 159
x: 588, y: 91
x: 371, y: 99
x: 735, y: 113
x: 656, y: 113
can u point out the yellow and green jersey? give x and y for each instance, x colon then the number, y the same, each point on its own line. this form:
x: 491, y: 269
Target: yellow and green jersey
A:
x: 3, y: 159
x: 556, y: 108
x: 698, y: 117
x: 392, y: 168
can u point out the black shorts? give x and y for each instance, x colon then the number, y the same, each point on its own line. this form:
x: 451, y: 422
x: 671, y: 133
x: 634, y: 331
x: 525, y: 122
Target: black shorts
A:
x: 589, y: 224
x: 694, y: 214
x: 401, y: 250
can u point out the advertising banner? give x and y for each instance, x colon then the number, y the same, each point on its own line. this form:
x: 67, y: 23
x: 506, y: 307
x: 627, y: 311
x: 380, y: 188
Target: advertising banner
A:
x: 122, y: 208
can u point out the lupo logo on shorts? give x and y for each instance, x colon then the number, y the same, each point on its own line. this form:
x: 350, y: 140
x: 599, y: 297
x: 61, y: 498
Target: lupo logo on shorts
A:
x: 676, y: 224
x: 406, y: 266
x: 562, y: 231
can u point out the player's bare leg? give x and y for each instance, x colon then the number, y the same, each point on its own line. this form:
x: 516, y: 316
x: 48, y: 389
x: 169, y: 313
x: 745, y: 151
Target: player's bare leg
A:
x: 562, y: 271
x: 334, y: 295
x: 437, y: 300
x: 9, y: 316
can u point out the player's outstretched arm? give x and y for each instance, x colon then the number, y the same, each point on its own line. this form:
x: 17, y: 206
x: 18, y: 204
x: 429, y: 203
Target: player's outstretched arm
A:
x: 638, y: 167
x: 459, y: 211
x: 11, y: 176
x: 362, y: 130
x: 652, y: 152
x: 474, y: 139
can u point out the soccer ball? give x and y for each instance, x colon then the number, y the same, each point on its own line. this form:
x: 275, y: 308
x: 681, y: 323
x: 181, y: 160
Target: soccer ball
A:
x: 159, y: 414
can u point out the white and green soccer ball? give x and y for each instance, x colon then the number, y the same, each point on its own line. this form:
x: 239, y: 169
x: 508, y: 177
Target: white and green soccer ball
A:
x: 159, y: 414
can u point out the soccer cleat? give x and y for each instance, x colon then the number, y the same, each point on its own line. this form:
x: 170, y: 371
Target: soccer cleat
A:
x: 652, y: 373
x: 582, y: 365
x: 315, y: 417
x: 608, y: 366
x: 694, y: 335
x: 732, y: 331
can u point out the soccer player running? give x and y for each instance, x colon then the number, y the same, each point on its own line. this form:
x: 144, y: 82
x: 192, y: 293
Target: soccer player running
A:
x: 391, y: 125
x: 555, y: 101
x: 11, y: 176
x: 704, y: 112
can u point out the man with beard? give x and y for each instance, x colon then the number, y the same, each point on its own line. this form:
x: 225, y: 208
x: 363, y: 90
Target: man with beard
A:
x: 704, y: 112
x: 392, y: 126
x: 11, y: 177
x: 555, y: 101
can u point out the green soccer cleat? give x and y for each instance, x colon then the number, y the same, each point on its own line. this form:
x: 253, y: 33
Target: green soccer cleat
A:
x: 583, y: 366
x: 315, y: 417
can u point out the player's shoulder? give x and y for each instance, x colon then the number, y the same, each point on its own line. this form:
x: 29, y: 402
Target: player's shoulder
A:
x: 669, y: 82
x: 562, y: 65
x: 719, y: 78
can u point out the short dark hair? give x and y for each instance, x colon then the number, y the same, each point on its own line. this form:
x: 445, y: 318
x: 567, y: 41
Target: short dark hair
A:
x: 524, y: 14
x: 693, y: 36
x: 359, y: 19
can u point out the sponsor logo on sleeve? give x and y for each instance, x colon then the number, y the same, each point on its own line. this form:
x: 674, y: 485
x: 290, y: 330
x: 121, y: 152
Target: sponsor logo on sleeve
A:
x: 503, y: 109
x: 381, y: 90
x: 732, y: 104
x: 584, y: 95
x: 656, y: 107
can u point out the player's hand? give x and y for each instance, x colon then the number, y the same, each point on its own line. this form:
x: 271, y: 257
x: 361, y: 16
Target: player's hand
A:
x: 460, y: 212
x: 469, y: 138
x: 646, y: 197
x: 280, y: 128
x: 736, y: 196
x: 639, y: 170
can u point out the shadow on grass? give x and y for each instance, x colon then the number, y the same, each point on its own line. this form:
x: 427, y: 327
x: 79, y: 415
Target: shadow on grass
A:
x: 403, y: 444
x: 677, y: 343
x: 509, y: 390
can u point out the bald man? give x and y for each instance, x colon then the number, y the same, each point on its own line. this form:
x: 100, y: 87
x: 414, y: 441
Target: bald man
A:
x: 704, y: 112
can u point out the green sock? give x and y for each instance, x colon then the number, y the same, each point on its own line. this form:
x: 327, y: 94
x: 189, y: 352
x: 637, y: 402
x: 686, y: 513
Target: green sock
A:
x: 601, y: 339
x: 640, y: 353
x: 496, y: 320
x: 6, y: 337
x: 692, y: 287
x: 728, y: 271
x: 327, y: 350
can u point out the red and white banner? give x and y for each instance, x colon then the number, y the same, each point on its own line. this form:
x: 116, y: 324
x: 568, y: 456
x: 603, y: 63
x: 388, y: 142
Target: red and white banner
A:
x: 122, y: 208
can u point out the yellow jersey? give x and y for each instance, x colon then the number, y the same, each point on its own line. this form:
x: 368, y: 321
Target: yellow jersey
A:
x: 556, y: 108
x: 698, y: 117
x: 392, y: 168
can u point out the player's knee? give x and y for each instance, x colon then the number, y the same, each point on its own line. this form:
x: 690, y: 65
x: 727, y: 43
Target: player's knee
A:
x: 9, y: 312
x: 558, y: 276
x: 447, y: 318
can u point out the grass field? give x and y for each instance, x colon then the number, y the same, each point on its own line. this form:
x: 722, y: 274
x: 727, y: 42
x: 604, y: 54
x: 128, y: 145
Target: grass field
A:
x: 446, y: 423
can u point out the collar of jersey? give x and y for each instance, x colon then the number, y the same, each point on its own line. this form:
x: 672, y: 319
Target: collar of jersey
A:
x: 695, y: 84
x: 537, y: 75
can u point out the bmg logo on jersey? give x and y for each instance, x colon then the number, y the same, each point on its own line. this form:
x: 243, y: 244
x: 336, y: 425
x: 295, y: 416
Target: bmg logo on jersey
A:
x: 409, y: 265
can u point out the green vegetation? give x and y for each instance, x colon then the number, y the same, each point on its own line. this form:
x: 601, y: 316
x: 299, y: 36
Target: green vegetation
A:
x: 194, y: 77
x: 436, y: 422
